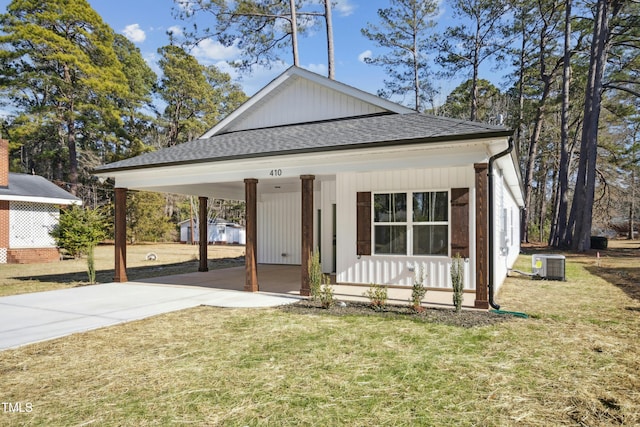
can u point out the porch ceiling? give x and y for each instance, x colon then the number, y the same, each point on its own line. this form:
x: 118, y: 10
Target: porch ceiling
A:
x: 235, y: 190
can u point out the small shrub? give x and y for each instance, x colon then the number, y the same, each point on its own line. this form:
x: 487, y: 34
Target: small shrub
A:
x: 457, y: 281
x: 326, y: 292
x: 418, y: 291
x: 78, y: 231
x: 377, y: 295
x: 315, y: 276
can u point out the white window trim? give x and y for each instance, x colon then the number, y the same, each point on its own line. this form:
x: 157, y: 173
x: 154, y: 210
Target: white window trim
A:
x: 409, y: 223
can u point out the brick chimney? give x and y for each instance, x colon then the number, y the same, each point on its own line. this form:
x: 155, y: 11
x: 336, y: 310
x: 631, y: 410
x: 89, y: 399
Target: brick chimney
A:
x: 4, y: 163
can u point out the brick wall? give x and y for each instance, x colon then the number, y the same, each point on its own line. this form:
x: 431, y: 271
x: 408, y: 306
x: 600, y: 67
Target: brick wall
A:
x: 4, y: 224
x: 4, y: 163
x: 32, y: 255
x: 4, y: 205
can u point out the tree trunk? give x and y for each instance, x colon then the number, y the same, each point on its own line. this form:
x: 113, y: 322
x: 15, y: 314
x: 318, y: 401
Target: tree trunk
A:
x: 294, y: 33
x: 580, y: 220
x: 330, y: 50
x: 521, y: 126
x: 561, y: 203
x: 533, y: 155
x: 474, y: 82
x: 543, y: 207
x: 73, y: 158
x: 416, y: 68
x: 68, y: 113
x: 632, y: 206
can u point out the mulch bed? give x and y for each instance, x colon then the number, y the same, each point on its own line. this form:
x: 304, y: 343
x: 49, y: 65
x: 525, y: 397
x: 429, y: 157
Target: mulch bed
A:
x: 446, y: 316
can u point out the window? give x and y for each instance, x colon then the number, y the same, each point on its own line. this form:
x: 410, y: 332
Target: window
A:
x: 417, y: 227
x: 390, y: 223
x: 430, y: 223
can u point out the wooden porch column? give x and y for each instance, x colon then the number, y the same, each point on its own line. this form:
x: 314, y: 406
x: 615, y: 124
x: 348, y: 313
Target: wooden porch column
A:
x: 482, y: 235
x: 250, y: 259
x: 204, y: 233
x: 307, y: 231
x: 121, y: 235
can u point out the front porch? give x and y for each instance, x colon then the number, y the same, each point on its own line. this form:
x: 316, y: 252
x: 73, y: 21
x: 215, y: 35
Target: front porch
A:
x: 274, y: 279
x: 285, y: 280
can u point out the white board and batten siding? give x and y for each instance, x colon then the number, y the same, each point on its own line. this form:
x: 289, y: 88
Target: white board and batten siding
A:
x: 303, y: 101
x: 327, y: 200
x: 279, y: 228
x: 398, y: 269
x: 506, y: 231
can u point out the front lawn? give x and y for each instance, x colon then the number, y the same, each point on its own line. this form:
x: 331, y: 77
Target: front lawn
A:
x: 171, y: 258
x: 575, y: 361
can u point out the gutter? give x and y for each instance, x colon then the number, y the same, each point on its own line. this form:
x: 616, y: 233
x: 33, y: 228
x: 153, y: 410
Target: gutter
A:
x: 492, y: 159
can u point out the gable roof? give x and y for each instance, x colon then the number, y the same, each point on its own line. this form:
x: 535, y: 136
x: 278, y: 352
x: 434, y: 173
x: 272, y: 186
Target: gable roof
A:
x: 35, y: 189
x: 306, y: 96
x: 349, y: 133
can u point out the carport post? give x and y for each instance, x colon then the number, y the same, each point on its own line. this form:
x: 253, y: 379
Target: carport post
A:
x: 250, y: 258
x: 120, y: 235
x: 204, y: 233
x: 482, y: 236
x: 307, y: 231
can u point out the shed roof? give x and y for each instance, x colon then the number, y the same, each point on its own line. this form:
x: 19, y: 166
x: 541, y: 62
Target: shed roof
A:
x: 330, y: 135
x: 34, y: 188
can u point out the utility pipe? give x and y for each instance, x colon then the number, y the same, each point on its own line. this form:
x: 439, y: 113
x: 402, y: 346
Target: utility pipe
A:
x: 492, y: 159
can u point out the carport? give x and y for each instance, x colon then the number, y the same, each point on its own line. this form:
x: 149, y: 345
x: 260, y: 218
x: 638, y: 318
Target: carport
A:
x: 274, y: 279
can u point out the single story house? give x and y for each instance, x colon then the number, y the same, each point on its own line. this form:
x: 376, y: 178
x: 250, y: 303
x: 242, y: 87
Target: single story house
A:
x: 219, y: 232
x: 29, y: 209
x: 380, y: 190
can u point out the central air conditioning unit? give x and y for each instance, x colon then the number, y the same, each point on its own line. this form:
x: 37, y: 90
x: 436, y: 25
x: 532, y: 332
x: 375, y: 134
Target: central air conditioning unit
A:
x: 548, y: 267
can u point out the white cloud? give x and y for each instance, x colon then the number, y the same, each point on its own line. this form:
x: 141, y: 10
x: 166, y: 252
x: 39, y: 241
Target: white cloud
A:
x: 176, y: 30
x: 344, y: 7
x: 185, y: 4
x: 134, y: 33
x: 317, y: 68
x: 208, y: 50
x: 366, y: 54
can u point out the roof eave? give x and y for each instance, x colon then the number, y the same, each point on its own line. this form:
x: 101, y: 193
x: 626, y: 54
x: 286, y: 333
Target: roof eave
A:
x: 40, y: 199
x: 104, y: 171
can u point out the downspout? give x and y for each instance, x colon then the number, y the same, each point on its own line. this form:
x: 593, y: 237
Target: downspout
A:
x: 492, y: 159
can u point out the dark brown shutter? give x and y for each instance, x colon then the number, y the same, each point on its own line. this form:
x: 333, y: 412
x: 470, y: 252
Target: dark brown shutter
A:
x: 364, y: 223
x: 460, y: 222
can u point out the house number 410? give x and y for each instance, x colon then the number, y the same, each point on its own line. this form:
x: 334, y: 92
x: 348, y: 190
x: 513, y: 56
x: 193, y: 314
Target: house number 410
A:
x: 275, y: 172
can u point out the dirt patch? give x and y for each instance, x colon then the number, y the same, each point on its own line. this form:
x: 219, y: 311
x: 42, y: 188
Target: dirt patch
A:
x: 446, y: 316
x: 600, y: 411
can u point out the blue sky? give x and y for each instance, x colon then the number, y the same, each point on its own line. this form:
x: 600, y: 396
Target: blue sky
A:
x: 146, y: 22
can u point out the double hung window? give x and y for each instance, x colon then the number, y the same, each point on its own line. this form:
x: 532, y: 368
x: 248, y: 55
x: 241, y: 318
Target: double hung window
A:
x: 414, y: 223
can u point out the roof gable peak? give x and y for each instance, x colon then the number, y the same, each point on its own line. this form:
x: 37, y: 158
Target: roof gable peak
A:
x: 298, y: 96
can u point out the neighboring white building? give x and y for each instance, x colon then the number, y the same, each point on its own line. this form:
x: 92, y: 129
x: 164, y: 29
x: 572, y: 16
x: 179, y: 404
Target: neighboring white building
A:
x: 380, y: 190
x: 219, y: 231
x: 29, y: 209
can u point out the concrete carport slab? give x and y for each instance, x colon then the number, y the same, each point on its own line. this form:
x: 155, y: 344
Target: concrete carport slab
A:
x: 35, y: 317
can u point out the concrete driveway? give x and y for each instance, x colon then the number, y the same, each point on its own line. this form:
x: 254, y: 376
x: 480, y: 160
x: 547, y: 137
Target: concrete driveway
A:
x: 30, y: 318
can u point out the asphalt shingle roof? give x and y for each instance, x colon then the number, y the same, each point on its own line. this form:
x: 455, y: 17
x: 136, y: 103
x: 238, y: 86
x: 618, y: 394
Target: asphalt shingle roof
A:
x: 349, y: 133
x: 34, y: 186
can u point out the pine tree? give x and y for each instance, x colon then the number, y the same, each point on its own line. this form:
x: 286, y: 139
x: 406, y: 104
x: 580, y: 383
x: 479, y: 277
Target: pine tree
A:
x: 57, y: 62
x: 404, y: 34
x: 188, y: 116
x: 464, y: 48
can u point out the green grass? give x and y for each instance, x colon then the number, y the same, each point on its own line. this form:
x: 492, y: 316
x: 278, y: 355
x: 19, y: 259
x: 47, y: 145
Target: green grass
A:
x: 172, y: 259
x: 575, y: 362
